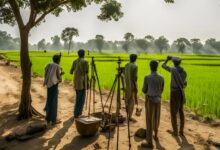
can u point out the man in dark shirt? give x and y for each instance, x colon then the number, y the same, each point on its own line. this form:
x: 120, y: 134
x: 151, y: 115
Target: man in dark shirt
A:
x: 177, y: 97
x: 152, y: 88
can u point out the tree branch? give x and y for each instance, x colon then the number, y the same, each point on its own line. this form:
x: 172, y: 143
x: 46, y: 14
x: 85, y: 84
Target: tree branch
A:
x: 17, y: 14
x: 49, y: 11
x: 32, y: 16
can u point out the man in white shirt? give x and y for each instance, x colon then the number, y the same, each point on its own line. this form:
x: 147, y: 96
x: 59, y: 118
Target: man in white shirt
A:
x: 52, y: 79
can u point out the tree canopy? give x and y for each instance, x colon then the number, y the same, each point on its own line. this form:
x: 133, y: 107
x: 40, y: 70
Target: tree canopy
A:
x: 142, y: 44
x: 162, y: 43
x: 181, y: 44
x: 99, y: 40
x: 196, y: 45
x: 67, y: 35
x: 41, y: 45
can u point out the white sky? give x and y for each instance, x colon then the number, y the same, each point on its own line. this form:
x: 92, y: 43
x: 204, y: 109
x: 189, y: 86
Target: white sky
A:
x: 185, y: 18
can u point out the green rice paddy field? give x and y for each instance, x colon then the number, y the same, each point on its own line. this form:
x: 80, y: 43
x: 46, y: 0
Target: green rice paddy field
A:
x: 202, y: 92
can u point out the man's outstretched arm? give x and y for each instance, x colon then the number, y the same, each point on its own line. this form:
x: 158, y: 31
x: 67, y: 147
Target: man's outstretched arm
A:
x: 165, y: 66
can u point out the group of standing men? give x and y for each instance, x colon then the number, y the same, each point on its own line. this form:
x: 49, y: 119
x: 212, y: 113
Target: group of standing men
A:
x: 152, y: 88
x: 53, y: 73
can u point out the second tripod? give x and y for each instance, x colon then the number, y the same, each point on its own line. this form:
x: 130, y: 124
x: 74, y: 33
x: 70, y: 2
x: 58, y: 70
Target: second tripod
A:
x: 92, y: 85
x: 119, y: 83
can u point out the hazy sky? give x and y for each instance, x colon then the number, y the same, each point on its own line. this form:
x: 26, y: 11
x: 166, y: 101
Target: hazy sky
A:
x: 185, y: 18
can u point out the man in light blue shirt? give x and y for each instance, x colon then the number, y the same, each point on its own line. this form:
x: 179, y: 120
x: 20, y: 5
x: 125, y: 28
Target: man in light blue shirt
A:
x: 152, y: 88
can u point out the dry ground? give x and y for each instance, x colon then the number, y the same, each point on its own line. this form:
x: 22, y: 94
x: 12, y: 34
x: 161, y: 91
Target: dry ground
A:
x: 64, y: 135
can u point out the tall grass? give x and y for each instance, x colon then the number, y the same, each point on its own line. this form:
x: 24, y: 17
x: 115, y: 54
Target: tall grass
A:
x: 202, y: 92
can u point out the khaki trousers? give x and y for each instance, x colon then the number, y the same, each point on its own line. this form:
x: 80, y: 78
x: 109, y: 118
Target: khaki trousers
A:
x: 152, y: 118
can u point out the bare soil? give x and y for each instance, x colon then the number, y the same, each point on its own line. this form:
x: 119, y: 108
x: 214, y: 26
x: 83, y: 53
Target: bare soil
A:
x: 65, y: 136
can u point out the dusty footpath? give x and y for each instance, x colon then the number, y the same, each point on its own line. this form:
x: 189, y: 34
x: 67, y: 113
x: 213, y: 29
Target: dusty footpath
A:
x: 64, y: 135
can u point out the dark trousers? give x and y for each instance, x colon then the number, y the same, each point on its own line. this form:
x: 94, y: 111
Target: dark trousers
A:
x: 80, y: 100
x: 176, y: 106
x: 51, y: 104
x: 152, y: 118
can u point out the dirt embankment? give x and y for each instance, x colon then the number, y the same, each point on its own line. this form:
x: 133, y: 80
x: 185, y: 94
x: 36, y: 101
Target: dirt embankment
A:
x: 64, y: 135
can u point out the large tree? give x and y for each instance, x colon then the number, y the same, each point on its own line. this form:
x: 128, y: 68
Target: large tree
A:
x: 149, y: 38
x: 181, y: 44
x: 67, y: 36
x: 213, y: 44
x: 162, y: 43
x: 41, y: 44
x: 196, y: 45
x: 56, y: 44
x: 99, y: 41
x: 10, y: 13
x: 7, y: 41
x: 142, y: 44
x: 129, y: 37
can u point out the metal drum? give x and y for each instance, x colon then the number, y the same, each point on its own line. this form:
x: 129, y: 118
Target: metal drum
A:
x: 87, y: 126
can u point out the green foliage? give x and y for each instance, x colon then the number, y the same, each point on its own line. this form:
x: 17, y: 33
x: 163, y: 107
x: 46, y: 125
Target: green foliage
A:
x: 8, y: 42
x: 129, y: 37
x: 142, y: 44
x: 56, y: 42
x: 111, y: 10
x: 149, y: 38
x: 196, y: 45
x: 41, y: 45
x: 6, y: 13
x: 162, y: 43
x: 181, y: 44
x: 99, y: 41
x: 10, y: 9
x: 125, y: 46
x: 67, y: 35
x: 213, y: 43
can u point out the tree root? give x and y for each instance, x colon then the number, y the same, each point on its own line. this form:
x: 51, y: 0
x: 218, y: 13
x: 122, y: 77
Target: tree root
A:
x: 36, y: 113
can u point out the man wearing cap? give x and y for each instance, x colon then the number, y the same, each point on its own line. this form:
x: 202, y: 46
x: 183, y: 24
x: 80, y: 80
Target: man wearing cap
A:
x: 52, y: 78
x: 80, y: 68
x: 152, y: 88
x: 131, y: 85
x: 177, y: 97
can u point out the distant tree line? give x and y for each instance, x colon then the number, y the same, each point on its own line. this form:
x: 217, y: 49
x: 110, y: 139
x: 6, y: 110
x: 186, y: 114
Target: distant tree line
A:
x: 7, y: 42
x: 147, y: 44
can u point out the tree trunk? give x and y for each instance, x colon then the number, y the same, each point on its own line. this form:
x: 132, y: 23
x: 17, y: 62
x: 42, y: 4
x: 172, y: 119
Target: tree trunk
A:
x: 25, y: 109
x: 69, y: 46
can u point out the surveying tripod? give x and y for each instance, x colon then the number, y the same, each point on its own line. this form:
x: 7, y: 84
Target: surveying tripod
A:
x: 92, y: 84
x: 118, y: 81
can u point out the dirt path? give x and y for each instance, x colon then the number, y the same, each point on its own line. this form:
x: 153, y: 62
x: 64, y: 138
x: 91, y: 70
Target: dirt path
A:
x: 64, y: 136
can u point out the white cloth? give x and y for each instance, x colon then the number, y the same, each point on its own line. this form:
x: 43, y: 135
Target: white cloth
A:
x: 52, y: 74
